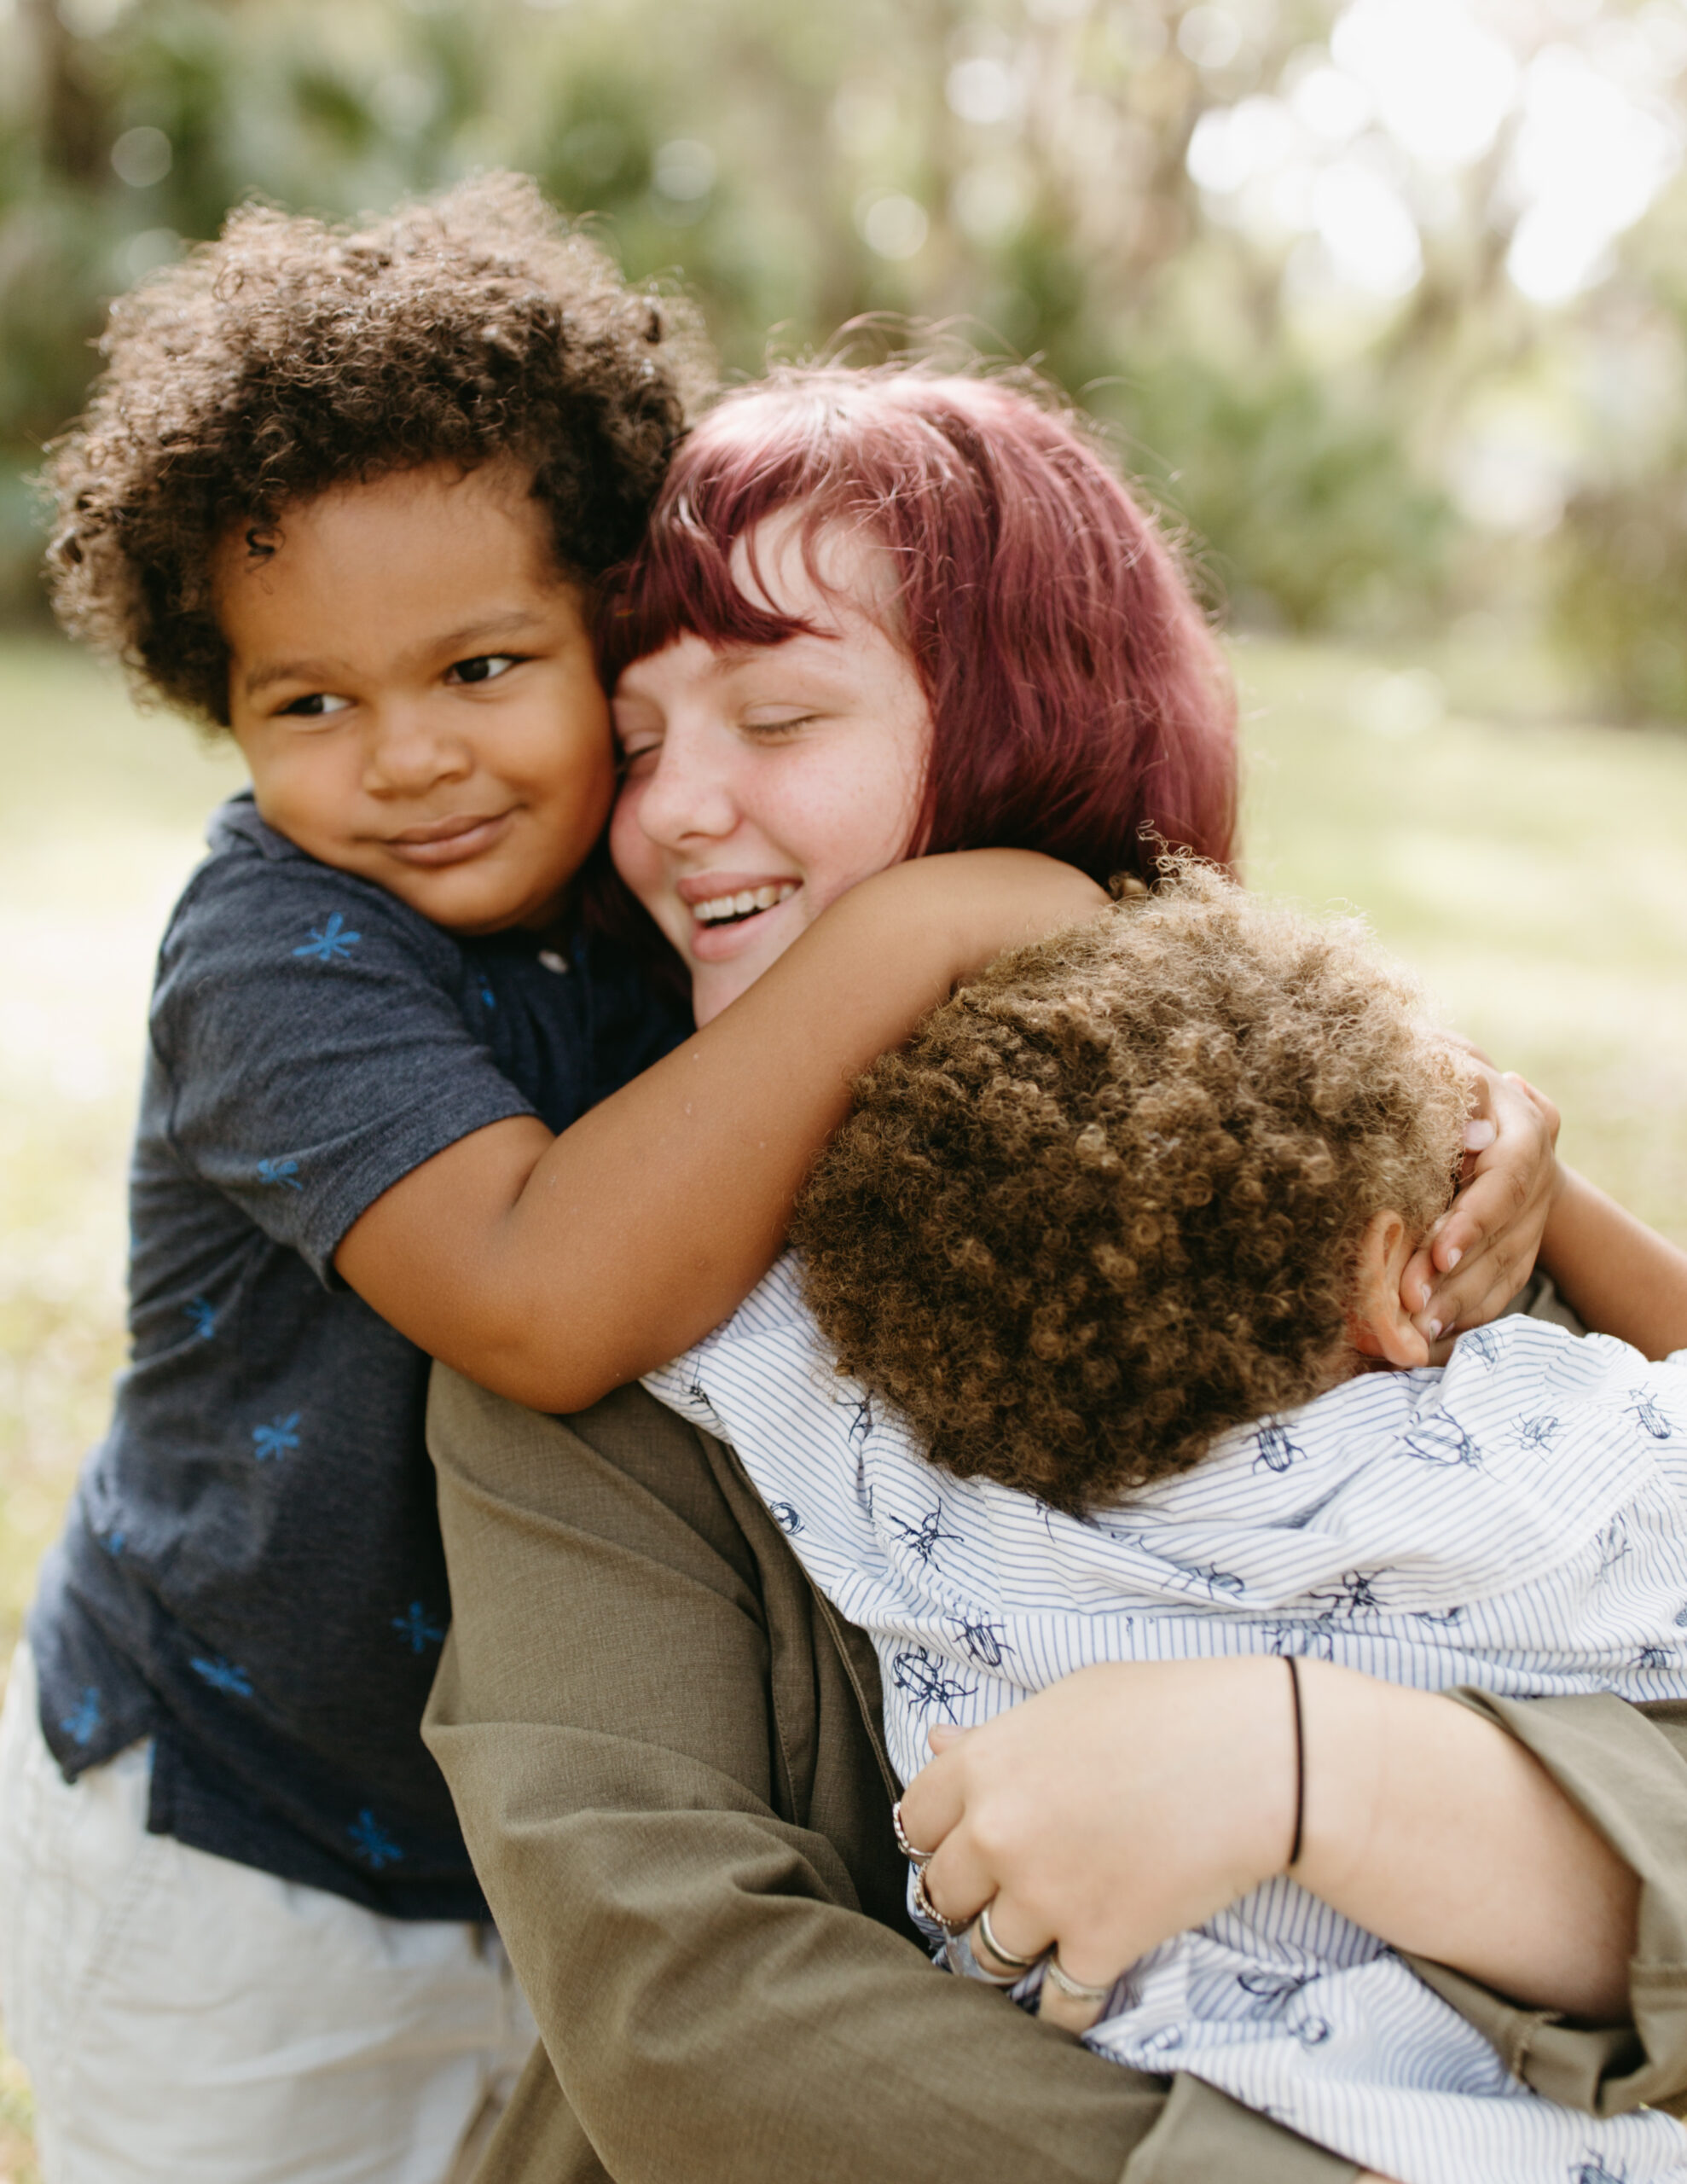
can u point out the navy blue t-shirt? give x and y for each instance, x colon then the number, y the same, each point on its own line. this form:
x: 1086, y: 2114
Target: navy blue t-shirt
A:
x: 251, y: 1571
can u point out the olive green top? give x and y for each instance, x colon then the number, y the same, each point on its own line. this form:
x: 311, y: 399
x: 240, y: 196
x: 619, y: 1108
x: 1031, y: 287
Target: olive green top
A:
x: 663, y: 1746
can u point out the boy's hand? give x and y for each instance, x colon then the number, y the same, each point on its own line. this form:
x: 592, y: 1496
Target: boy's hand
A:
x: 1483, y: 1250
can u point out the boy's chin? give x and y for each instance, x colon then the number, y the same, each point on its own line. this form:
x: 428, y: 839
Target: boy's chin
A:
x: 473, y: 905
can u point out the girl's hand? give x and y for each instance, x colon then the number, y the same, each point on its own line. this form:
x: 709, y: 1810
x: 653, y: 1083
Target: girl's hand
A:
x: 1483, y: 1250
x: 1132, y: 1801
x: 1111, y: 1811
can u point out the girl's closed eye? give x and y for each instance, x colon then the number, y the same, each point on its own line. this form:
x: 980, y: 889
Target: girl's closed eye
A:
x: 638, y: 735
x: 636, y: 757
x: 769, y: 723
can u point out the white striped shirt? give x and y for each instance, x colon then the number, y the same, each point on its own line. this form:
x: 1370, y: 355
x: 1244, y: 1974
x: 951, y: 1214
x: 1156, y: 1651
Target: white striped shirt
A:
x: 1513, y: 1522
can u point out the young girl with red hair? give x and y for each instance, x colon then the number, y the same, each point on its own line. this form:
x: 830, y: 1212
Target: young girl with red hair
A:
x: 880, y: 615
x: 1079, y: 702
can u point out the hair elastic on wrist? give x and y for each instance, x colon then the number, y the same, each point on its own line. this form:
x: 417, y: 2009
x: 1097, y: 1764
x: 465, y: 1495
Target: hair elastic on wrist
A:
x: 1294, y: 1667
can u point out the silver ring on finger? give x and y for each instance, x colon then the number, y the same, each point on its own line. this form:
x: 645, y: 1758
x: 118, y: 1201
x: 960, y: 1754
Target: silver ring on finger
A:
x: 914, y: 1856
x: 1007, y: 1962
x: 1076, y: 1991
x: 928, y: 1909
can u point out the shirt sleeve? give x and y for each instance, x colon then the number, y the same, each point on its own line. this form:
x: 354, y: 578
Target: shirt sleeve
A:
x: 657, y: 1746
x: 317, y: 1040
x: 1625, y: 1768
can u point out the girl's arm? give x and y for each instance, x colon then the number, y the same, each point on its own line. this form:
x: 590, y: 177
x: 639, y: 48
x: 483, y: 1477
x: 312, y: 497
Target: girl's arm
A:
x: 1132, y: 1801
x: 1617, y: 1275
x: 552, y: 1270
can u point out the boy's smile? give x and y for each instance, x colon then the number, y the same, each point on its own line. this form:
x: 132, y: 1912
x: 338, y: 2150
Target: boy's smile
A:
x: 414, y: 689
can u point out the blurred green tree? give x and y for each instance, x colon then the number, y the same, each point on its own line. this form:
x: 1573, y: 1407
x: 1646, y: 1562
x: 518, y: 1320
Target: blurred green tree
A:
x: 1315, y: 262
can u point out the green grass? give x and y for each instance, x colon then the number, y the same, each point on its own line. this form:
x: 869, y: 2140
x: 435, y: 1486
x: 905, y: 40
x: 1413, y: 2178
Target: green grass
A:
x: 1533, y: 873
x: 103, y: 817
x: 17, y: 2145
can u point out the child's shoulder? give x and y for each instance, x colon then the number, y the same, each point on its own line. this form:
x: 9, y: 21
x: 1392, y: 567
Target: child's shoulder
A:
x: 254, y: 870
x: 259, y: 918
x: 270, y: 956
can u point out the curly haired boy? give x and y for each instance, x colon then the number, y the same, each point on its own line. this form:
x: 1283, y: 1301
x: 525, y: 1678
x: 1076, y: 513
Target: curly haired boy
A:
x: 347, y: 492
x: 1110, y: 1260
x: 233, y: 1639
x: 1145, y: 1186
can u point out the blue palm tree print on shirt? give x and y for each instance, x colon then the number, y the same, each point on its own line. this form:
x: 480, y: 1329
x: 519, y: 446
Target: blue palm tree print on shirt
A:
x: 203, y: 1315
x: 276, y: 1438
x: 223, y: 1675
x: 333, y: 944
x: 416, y: 1628
x: 82, y: 1724
x: 285, y: 1173
x: 373, y: 1842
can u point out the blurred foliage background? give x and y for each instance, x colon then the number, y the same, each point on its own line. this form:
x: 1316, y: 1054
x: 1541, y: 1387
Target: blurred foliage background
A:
x: 1386, y: 299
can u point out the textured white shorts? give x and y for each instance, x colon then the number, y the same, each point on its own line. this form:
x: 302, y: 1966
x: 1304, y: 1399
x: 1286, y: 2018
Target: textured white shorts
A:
x: 187, y: 2020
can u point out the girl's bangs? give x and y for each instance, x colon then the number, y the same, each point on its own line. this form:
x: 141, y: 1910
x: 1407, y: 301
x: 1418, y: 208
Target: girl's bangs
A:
x: 723, y: 483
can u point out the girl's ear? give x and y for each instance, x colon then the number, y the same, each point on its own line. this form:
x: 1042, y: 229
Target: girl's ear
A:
x: 1377, y: 1320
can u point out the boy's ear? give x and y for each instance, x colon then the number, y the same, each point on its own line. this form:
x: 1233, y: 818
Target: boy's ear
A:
x: 1377, y: 1320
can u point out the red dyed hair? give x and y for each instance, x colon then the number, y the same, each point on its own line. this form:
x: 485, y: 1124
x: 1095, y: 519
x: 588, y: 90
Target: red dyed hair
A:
x: 1080, y: 703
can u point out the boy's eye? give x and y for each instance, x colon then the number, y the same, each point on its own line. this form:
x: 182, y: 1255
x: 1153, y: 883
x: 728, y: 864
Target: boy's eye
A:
x: 315, y: 704
x: 484, y: 667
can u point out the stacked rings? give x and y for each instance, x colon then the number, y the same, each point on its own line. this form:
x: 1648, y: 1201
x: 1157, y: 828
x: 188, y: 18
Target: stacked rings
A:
x: 1005, y: 1965
x: 914, y: 1857
x: 927, y: 1909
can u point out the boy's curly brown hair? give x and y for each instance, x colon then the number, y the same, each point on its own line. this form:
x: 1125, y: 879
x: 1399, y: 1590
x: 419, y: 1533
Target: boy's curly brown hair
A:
x: 1108, y: 1203
x: 291, y: 356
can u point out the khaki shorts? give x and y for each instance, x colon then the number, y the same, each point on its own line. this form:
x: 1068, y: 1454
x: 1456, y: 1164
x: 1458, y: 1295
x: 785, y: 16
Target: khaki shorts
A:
x: 187, y: 2020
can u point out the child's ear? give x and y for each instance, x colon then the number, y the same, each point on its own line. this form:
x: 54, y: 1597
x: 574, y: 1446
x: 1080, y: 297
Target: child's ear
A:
x: 1377, y: 1320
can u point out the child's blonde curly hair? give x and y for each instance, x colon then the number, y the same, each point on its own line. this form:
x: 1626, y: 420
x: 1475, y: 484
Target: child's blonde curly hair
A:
x: 1108, y: 1203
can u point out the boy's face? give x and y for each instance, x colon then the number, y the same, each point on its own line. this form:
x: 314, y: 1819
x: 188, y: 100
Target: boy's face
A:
x: 414, y: 689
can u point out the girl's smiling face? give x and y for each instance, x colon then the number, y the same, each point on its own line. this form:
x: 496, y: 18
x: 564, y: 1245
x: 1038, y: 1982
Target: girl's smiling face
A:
x: 762, y: 782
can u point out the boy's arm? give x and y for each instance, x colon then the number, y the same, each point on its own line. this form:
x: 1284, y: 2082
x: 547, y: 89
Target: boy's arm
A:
x: 552, y: 1270
x: 1617, y: 1275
